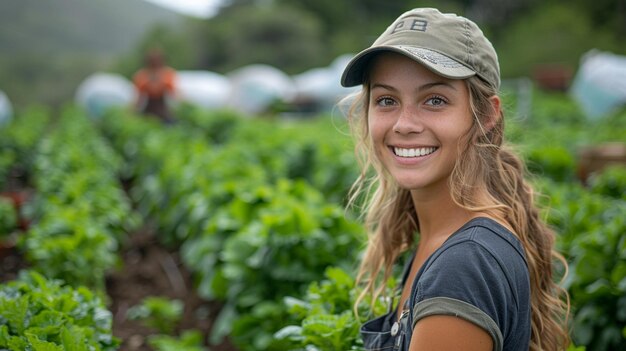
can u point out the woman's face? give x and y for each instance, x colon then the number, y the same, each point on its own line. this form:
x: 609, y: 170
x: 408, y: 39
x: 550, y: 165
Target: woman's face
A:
x: 416, y: 121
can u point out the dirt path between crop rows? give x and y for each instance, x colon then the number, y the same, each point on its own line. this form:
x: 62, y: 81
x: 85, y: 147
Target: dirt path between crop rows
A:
x: 151, y: 270
x: 147, y: 269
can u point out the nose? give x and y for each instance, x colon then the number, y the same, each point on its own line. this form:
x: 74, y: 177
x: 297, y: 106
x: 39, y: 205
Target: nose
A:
x: 408, y: 121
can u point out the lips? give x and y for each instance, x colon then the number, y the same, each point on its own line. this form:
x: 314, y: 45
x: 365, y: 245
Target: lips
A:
x: 413, y: 152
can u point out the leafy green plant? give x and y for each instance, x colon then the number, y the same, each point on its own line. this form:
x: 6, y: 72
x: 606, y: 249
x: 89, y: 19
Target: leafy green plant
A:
x: 325, y: 316
x: 80, y: 213
x: 597, y: 284
x: 160, y: 313
x: 7, y: 160
x: 265, y: 244
x: 190, y: 340
x: 610, y: 182
x: 591, y: 232
x: 40, y: 314
x: 19, y: 140
x: 554, y: 162
x: 217, y: 125
x: 68, y: 244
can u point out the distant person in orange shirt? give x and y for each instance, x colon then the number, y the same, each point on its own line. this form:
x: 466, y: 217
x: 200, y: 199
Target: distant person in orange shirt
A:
x: 155, y: 84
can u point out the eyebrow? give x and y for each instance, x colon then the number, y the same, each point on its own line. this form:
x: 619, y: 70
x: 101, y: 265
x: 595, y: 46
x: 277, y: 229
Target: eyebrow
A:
x: 421, y: 88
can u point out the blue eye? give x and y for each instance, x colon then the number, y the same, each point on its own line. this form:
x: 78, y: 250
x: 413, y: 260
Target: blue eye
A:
x: 385, y: 101
x: 436, y: 101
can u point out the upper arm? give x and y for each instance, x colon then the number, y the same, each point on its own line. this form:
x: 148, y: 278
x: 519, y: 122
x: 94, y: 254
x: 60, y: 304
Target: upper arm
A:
x: 448, y: 333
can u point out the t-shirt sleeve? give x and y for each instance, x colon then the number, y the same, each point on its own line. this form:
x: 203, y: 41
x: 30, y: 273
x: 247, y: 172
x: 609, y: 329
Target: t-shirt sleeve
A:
x: 466, y: 281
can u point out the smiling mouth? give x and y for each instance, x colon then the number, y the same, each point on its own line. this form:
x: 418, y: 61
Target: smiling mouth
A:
x: 413, y: 152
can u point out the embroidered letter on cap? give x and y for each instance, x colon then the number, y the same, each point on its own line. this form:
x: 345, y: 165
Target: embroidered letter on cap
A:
x: 397, y: 27
x: 419, y: 25
x: 415, y: 24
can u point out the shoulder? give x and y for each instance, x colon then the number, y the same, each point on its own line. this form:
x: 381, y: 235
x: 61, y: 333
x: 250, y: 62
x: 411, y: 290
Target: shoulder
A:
x: 485, y: 241
x: 488, y: 234
x: 140, y: 76
x: 481, y: 255
x: 479, y: 274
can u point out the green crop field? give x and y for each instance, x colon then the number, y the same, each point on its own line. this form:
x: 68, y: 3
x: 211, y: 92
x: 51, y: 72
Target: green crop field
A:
x: 252, y: 210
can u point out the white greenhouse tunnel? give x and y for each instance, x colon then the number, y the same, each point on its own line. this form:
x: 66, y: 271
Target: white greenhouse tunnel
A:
x: 322, y: 85
x: 208, y: 90
x: 100, y: 91
x: 256, y: 87
x: 6, y: 109
x: 250, y: 89
x: 600, y: 83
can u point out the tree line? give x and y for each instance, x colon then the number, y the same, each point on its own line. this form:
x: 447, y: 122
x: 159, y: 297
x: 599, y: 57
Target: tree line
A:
x: 299, y: 35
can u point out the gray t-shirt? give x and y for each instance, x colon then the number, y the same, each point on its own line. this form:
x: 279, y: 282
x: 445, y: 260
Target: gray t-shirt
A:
x: 479, y: 274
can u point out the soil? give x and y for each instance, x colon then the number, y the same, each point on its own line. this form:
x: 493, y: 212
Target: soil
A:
x: 11, y: 260
x: 148, y: 269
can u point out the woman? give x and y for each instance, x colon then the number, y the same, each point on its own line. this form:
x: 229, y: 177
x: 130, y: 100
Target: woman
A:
x: 429, y: 123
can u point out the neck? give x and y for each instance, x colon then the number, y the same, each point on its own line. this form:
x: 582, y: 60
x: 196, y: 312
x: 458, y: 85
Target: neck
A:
x: 438, y: 215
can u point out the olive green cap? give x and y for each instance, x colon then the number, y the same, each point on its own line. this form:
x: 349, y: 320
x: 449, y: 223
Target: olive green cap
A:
x: 449, y: 45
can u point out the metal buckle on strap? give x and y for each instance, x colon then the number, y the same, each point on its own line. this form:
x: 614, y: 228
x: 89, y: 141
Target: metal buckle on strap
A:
x: 395, y: 328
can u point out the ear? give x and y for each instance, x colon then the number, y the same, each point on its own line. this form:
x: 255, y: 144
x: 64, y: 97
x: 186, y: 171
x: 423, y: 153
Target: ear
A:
x: 496, y: 113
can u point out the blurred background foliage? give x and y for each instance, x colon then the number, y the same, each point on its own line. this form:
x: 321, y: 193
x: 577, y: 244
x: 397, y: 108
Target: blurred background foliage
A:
x: 49, y: 47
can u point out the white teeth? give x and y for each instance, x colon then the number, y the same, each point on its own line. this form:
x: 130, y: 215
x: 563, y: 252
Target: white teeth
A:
x: 422, y: 151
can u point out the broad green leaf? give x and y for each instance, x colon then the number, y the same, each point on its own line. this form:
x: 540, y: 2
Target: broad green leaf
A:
x: 42, y: 345
x: 74, y: 339
x: 15, y: 312
x: 293, y: 332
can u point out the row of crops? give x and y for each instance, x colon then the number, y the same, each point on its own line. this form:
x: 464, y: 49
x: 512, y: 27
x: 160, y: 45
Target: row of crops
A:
x: 256, y: 213
x: 256, y: 209
x: 77, y: 215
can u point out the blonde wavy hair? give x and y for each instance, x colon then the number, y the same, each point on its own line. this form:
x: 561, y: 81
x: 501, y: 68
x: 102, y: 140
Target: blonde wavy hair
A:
x: 488, y: 177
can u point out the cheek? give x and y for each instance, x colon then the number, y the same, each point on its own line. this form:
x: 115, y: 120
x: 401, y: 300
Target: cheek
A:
x: 457, y: 129
x: 376, y: 122
x: 376, y: 134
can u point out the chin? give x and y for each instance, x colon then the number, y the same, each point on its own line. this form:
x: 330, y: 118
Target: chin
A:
x: 409, y: 184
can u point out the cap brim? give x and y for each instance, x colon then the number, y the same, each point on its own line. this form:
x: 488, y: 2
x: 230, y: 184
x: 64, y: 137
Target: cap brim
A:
x: 440, y: 64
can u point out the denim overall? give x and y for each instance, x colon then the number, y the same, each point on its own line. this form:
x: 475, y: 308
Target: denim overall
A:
x: 385, y: 332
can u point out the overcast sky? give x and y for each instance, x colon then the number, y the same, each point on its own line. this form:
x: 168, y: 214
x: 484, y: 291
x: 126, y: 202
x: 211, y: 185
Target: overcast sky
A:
x: 196, y: 8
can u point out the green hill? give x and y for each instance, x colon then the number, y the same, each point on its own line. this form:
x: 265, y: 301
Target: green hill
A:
x: 48, y: 47
x: 77, y: 26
